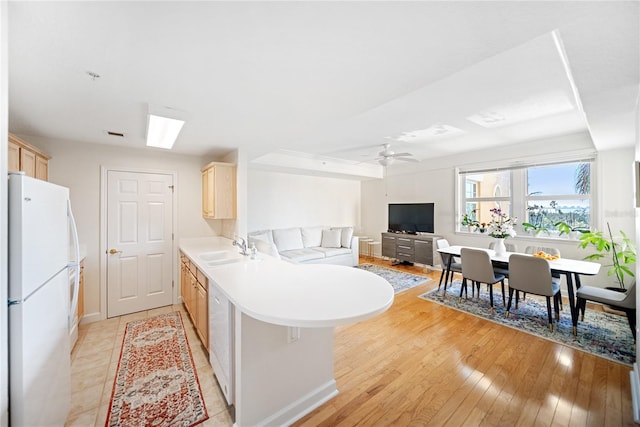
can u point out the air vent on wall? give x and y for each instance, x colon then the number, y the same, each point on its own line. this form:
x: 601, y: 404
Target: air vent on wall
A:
x: 110, y: 133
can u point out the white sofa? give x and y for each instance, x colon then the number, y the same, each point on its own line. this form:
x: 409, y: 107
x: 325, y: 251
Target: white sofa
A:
x: 309, y: 245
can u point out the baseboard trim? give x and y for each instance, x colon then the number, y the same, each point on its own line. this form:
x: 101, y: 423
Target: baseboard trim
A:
x: 301, y: 407
x: 90, y: 318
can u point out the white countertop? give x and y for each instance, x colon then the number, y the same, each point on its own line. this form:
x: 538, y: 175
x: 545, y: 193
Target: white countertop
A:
x: 282, y: 293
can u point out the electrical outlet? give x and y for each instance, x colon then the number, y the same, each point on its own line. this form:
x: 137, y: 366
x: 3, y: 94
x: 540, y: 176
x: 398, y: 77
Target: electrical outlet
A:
x: 293, y: 334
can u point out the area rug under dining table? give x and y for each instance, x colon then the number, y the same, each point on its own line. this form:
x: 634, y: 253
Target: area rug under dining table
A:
x: 603, y: 334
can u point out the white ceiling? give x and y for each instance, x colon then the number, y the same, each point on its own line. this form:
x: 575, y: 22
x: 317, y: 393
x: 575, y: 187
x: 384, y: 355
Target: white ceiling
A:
x: 327, y: 79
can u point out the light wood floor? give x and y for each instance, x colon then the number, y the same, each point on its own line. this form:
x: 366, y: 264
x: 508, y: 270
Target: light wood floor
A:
x: 423, y: 364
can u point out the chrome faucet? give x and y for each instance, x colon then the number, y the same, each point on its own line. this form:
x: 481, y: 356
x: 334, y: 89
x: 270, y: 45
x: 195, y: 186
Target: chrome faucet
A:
x: 242, y: 244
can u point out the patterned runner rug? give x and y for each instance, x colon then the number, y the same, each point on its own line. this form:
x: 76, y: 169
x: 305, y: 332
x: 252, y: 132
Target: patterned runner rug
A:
x: 400, y: 280
x: 156, y: 383
x: 603, y: 334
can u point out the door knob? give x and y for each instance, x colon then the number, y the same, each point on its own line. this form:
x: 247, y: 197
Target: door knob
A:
x: 113, y: 252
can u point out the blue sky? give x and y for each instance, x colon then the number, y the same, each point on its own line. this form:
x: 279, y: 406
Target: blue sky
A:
x: 557, y: 179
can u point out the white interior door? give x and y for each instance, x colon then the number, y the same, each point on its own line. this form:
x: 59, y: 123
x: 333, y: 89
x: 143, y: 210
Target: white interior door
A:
x: 139, y: 241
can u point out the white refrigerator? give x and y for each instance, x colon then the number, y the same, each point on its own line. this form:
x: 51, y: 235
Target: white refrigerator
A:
x: 41, y: 233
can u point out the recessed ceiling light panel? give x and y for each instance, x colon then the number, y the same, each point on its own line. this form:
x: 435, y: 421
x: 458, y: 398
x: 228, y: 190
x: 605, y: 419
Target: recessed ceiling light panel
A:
x: 535, y: 107
x: 163, y: 126
x: 436, y: 131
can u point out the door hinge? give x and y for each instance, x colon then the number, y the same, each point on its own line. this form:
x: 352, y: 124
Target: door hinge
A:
x: 171, y: 187
x: 172, y: 238
x: 173, y: 284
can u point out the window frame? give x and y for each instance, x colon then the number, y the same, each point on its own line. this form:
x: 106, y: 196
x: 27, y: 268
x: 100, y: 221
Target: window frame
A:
x: 518, y: 198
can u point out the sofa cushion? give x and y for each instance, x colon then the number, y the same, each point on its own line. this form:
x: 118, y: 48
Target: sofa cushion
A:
x: 331, y: 238
x: 301, y: 255
x: 265, y: 236
x: 311, y: 236
x: 347, y: 235
x: 329, y: 252
x: 288, y: 239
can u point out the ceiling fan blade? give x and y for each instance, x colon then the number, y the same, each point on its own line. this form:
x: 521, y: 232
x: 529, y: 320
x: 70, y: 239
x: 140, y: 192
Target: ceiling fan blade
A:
x: 402, y: 154
x: 407, y: 159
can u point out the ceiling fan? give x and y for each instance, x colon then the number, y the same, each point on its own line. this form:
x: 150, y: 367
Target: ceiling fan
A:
x: 386, y: 157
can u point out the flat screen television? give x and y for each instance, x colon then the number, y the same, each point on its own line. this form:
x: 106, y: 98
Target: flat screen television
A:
x: 411, y: 217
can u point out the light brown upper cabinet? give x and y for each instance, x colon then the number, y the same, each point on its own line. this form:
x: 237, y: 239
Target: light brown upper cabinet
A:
x: 219, y: 191
x: 25, y: 157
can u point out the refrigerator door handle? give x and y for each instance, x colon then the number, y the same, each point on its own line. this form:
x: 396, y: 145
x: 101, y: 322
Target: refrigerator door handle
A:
x: 75, y: 264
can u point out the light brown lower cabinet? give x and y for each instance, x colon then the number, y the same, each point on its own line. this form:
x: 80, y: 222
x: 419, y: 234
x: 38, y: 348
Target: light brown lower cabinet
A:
x: 194, y: 287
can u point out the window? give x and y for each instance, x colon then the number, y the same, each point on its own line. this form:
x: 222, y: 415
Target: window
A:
x: 490, y: 190
x: 559, y: 194
x: 542, y: 197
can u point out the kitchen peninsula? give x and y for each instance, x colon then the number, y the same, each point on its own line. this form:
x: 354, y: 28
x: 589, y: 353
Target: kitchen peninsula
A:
x: 281, y: 319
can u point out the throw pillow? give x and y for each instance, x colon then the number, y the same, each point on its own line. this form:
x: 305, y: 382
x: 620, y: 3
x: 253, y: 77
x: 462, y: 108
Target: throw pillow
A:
x: 331, y: 238
x: 287, y: 239
x: 347, y: 235
x: 312, y: 237
x: 265, y: 236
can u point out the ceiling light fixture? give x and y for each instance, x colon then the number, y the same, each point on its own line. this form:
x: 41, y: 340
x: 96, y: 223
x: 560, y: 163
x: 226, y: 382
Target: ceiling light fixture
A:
x: 386, y: 161
x: 163, y: 126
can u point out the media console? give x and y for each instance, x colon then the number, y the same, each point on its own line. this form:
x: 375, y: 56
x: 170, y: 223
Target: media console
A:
x: 408, y: 247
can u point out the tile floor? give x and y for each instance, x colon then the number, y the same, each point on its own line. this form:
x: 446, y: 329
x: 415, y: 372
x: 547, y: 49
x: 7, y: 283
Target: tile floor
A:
x: 94, y: 361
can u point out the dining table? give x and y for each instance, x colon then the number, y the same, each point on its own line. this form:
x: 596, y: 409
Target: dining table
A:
x: 572, y: 269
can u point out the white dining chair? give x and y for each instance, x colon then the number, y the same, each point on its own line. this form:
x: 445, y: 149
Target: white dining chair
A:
x: 548, y: 250
x: 533, y: 275
x: 456, y: 265
x: 477, y: 267
x: 623, y: 301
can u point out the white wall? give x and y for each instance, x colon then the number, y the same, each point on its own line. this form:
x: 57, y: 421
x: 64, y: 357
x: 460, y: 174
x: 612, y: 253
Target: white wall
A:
x: 436, y: 183
x: 281, y: 200
x: 78, y: 166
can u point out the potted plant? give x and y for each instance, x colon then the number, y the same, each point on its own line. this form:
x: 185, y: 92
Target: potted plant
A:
x: 571, y: 231
x: 468, y: 221
x: 535, y: 229
x: 622, y: 252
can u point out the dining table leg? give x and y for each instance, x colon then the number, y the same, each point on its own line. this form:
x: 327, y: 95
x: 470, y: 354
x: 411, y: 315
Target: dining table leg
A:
x: 572, y: 302
x: 446, y: 277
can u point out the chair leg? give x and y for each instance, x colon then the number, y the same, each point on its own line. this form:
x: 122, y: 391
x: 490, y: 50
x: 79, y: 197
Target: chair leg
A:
x: 491, y: 297
x: 560, y: 298
x: 504, y: 303
x: 446, y: 279
x: 463, y: 287
x: 517, y: 298
x: 580, y: 306
x: 509, y: 303
x: 549, y: 314
x: 556, y: 305
x: 441, y: 277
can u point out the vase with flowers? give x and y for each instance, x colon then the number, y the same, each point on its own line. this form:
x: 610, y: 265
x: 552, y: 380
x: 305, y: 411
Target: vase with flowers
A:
x: 501, y: 227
